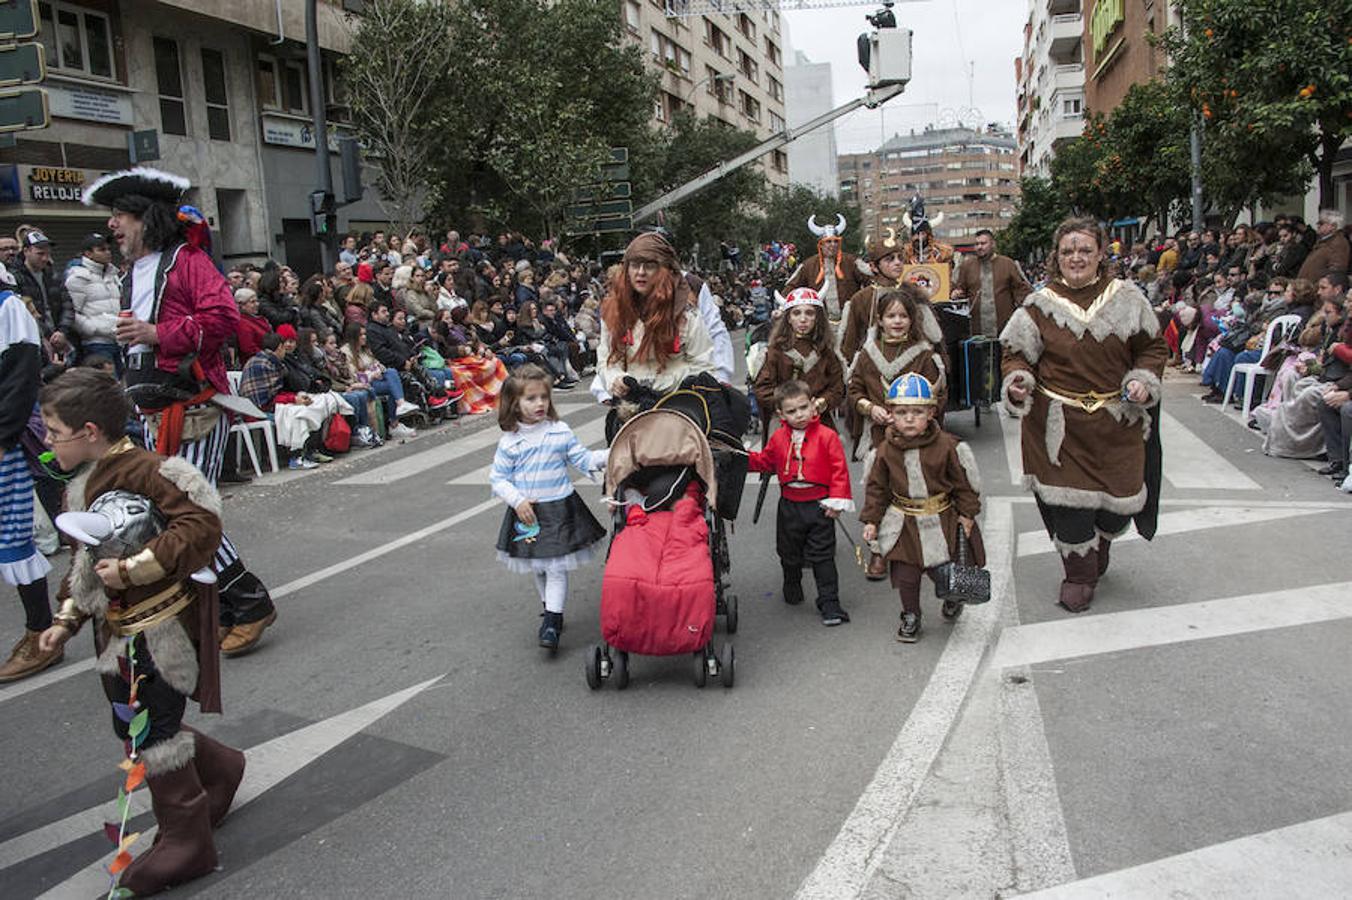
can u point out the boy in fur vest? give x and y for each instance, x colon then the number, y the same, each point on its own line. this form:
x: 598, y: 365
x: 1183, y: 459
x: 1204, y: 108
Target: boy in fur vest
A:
x: 146, y: 601
x: 922, y: 488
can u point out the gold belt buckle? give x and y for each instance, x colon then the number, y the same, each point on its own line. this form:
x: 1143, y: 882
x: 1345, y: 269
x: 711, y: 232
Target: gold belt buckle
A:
x: 1092, y: 404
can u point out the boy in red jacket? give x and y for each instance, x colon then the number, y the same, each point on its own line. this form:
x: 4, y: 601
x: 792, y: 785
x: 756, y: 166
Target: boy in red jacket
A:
x: 814, y: 486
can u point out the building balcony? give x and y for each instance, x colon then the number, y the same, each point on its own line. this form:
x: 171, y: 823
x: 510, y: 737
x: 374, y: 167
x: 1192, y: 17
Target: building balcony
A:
x: 1068, y: 76
x: 1067, y: 33
x: 1063, y: 7
x: 1067, y: 127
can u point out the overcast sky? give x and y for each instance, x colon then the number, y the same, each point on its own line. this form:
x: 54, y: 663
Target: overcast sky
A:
x: 949, y: 35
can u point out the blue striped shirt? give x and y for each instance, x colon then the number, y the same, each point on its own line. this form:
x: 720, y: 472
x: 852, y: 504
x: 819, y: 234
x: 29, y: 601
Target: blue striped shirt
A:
x: 531, y: 463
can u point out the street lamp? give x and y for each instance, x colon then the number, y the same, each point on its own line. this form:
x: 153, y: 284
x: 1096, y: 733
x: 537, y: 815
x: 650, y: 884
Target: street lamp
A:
x: 720, y: 78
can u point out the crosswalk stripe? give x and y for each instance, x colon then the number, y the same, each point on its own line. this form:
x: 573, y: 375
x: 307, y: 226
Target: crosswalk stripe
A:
x: 1310, y: 859
x: 452, y: 448
x: 1032, y: 543
x: 592, y: 434
x: 1191, y: 463
x: 1042, y: 642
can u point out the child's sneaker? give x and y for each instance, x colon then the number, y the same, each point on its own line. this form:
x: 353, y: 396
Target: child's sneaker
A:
x: 909, y: 632
x: 550, y: 626
x: 951, y: 610
x: 321, y: 457
x: 300, y: 462
x: 833, y: 614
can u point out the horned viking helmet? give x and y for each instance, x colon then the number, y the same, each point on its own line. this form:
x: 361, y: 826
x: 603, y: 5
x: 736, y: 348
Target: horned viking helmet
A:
x: 828, y: 231
x: 134, y: 520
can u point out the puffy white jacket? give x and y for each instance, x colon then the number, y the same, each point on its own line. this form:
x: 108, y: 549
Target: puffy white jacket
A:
x: 96, y: 293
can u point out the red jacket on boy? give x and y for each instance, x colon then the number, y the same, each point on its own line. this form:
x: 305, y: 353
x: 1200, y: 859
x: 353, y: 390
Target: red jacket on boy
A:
x: 815, y: 469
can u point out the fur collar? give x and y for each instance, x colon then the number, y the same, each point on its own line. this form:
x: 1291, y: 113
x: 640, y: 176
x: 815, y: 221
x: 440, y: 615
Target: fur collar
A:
x: 804, y: 364
x: 890, y: 370
x: 1121, y: 311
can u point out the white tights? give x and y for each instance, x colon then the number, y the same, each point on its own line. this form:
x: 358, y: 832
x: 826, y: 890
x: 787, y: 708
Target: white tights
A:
x: 553, y: 588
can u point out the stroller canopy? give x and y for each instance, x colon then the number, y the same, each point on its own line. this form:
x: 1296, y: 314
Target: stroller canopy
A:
x: 660, y: 437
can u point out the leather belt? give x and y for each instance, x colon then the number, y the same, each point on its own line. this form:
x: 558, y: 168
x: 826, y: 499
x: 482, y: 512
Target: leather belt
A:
x: 153, y: 610
x: 1089, y: 401
x: 930, y: 506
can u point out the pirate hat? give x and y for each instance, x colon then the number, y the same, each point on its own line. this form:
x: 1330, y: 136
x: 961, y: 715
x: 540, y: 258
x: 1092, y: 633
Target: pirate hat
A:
x: 142, y: 181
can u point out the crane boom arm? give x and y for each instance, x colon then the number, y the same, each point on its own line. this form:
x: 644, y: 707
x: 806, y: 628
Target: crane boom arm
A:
x: 680, y: 9
x: 873, y: 98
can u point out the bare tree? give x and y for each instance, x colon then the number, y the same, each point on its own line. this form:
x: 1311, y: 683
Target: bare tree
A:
x: 394, y: 76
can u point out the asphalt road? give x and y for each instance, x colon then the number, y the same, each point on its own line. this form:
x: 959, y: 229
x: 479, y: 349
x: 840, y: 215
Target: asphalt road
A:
x: 407, y: 738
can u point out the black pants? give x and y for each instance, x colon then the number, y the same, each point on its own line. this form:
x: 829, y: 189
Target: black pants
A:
x: 1077, y: 526
x: 164, y: 704
x: 805, y: 536
x: 1337, y: 422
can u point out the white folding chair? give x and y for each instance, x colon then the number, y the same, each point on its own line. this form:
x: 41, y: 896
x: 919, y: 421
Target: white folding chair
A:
x: 1279, y: 331
x: 243, y: 428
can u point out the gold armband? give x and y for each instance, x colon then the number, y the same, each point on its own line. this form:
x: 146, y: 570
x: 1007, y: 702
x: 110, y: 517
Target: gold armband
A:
x: 141, y: 568
x: 864, y: 406
x: 69, y: 617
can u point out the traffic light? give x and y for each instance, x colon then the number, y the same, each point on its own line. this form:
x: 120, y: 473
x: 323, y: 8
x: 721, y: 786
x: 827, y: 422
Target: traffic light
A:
x: 321, y: 205
x: 22, y: 62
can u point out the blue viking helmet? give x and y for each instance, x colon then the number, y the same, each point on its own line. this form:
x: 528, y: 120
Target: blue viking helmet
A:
x: 910, y: 389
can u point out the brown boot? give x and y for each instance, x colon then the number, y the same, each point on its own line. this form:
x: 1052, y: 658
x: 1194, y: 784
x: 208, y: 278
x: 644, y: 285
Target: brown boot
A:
x: 183, y: 849
x: 877, y: 568
x: 27, y: 659
x: 1077, y: 591
x: 243, y: 638
x: 1104, y: 545
x: 220, y: 769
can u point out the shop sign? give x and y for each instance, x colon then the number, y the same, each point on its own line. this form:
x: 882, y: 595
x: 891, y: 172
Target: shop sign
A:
x: 47, y: 184
x: 282, y: 131
x: 71, y: 102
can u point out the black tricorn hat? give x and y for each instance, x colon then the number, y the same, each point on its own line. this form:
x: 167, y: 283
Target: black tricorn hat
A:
x: 153, y: 184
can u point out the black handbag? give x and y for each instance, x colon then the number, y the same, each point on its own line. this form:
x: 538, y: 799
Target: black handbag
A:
x: 960, y: 580
x: 1236, y: 339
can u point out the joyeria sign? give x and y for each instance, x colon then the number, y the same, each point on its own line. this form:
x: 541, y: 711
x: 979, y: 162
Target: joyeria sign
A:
x: 52, y: 185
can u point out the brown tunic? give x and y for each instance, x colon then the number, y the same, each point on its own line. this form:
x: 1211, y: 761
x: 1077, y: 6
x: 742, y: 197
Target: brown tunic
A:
x: 880, y: 363
x: 191, y: 535
x: 820, y: 370
x: 1010, y: 289
x: 809, y: 275
x: 1096, y: 338
x: 935, y: 463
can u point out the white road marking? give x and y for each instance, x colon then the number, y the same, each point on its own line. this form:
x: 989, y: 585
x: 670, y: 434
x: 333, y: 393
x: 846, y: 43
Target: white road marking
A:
x: 1311, y: 859
x: 51, y: 676
x: 848, y: 863
x: 1112, y: 632
x: 269, y: 764
x: 1011, y: 431
x: 446, y: 452
x: 1189, y: 462
x: 1032, y: 543
x: 592, y: 434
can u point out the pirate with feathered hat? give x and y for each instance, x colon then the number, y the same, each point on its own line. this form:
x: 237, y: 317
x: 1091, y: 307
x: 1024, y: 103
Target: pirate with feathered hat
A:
x: 177, y: 314
x: 834, y: 274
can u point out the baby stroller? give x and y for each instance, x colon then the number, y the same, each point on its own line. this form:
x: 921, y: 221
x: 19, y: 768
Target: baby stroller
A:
x: 664, y: 578
x: 434, y: 403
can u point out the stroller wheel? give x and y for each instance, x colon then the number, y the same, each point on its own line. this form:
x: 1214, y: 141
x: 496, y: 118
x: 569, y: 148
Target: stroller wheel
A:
x: 594, y: 667
x: 621, y: 670
x: 726, y: 674
x: 701, y: 669
x: 731, y: 603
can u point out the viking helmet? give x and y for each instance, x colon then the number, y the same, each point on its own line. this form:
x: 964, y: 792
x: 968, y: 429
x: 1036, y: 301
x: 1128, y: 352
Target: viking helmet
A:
x: 133, y: 520
x: 880, y: 247
x: 910, y: 389
x: 828, y: 231
x: 799, y: 297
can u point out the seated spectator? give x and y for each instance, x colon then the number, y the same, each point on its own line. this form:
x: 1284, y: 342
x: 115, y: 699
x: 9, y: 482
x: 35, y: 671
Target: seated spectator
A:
x: 382, y: 380
x: 478, y: 373
x: 448, y: 293
x: 274, y: 388
x: 531, y: 333
x: 358, y: 303
x: 560, y: 333
x: 252, y: 327
x: 273, y: 304
x: 410, y: 290
x: 95, y: 292
x: 317, y: 307
x: 361, y: 397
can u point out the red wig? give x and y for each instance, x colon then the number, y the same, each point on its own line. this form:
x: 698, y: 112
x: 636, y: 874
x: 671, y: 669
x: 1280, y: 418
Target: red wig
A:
x: 660, y: 312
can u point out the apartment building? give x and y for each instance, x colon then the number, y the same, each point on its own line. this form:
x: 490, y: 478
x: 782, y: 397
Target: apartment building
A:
x: 970, y: 176
x: 1050, y: 77
x: 726, y: 66
x: 1118, y: 51
x: 223, y: 88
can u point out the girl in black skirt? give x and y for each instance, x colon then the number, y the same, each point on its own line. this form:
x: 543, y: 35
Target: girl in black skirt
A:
x: 548, y: 529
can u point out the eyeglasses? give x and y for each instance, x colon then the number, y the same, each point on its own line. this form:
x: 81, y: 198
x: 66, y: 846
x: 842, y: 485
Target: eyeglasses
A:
x: 646, y: 267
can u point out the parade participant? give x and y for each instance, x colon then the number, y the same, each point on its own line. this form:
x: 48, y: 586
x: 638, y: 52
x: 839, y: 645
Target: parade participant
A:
x: 899, y: 341
x: 922, y: 488
x: 885, y: 255
x: 801, y: 349
x: 923, y: 248
x: 651, y: 337
x: 835, y: 276
x: 177, y: 315
x: 993, y: 283
x: 1083, y: 358
x: 155, y: 630
x: 814, y: 484
x: 21, y: 564
x: 547, y: 529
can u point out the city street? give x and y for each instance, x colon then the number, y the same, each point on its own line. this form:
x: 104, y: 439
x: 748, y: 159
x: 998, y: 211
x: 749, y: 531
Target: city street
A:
x: 407, y: 738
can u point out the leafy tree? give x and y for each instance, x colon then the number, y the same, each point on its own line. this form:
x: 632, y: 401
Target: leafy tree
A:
x: 390, y: 91
x: 1028, y: 236
x: 1273, y: 77
x: 524, y: 120
x: 786, y: 213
